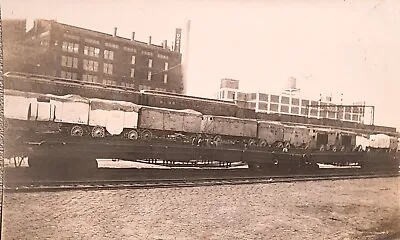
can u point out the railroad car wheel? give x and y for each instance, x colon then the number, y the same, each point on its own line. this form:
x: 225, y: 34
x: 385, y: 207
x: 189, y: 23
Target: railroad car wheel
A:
x: 77, y: 131
x: 146, y: 135
x: 132, y: 135
x: 98, y: 132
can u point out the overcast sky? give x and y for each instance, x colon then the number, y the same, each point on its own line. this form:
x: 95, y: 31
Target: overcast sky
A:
x: 330, y: 47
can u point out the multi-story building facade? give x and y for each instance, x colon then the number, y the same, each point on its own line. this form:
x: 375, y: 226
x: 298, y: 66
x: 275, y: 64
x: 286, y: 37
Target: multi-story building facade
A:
x: 55, y: 49
x: 290, y: 103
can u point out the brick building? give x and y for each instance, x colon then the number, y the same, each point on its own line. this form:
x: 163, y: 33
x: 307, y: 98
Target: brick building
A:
x: 55, y: 49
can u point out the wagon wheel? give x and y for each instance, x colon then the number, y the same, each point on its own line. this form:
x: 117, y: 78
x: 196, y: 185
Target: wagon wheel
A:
x: 146, y: 135
x: 132, y: 135
x: 252, y: 142
x: 217, y: 140
x: 77, y: 131
x: 334, y: 149
x: 263, y: 143
x: 279, y: 145
x: 98, y: 132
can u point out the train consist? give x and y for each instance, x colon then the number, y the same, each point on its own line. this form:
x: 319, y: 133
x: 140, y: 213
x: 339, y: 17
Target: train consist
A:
x: 59, y: 86
x: 76, y: 116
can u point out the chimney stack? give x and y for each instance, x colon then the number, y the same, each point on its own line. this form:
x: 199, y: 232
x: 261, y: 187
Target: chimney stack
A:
x: 133, y: 36
x: 165, y: 44
x: 149, y: 40
x: 115, y: 31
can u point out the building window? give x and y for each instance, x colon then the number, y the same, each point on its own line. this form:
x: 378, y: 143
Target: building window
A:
x: 147, y: 53
x: 88, y: 40
x: 108, y: 54
x: 165, y: 78
x: 162, y: 56
x: 108, y: 68
x: 128, y: 85
x: 150, y: 63
x: 89, y: 78
x: 109, y: 82
x: 70, y: 47
x: 133, y: 61
x: 91, y: 51
x: 132, y: 72
x: 71, y: 36
x: 129, y: 49
x: 144, y: 87
x: 149, y: 76
x: 166, y: 66
x: 112, y: 45
x: 69, y: 75
x: 69, y: 62
x: 90, y: 65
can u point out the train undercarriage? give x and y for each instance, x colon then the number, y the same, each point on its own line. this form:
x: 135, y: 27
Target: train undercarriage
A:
x: 71, y: 155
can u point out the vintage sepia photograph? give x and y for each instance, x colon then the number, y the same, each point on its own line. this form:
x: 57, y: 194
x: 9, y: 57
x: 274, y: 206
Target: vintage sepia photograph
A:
x: 196, y: 119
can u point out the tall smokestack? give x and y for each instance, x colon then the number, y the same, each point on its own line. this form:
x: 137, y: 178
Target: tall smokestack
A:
x: 165, y: 44
x: 133, y: 36
x: 185, y: 56
x: 149, y: 40
x: 115, y: 31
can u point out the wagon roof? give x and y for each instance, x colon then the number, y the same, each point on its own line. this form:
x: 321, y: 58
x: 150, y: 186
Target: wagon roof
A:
x: 70, y: 97
x: 104, y: 104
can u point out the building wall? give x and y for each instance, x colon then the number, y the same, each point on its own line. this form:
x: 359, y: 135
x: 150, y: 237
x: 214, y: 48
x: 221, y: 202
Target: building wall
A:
x: 86, y: 55
x: 291, y: 105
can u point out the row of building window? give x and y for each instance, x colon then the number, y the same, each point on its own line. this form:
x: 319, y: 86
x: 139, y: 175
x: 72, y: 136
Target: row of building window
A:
x: 94, y: 52
x: 110, y: 45
x: 69, y: 62
x: 70, y: 47
x: 89, y: 78
x: 69, y: 75
x: 93, y: 66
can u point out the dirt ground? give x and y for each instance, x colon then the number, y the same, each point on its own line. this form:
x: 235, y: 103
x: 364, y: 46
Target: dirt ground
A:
x: 345, y: 209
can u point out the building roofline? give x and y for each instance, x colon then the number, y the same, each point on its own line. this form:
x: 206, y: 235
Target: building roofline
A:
x: 110, y: 36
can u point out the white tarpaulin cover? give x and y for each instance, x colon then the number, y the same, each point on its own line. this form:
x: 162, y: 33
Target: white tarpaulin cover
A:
x: 113, y: 115
x: 380, y: 141
x: 17, y: 107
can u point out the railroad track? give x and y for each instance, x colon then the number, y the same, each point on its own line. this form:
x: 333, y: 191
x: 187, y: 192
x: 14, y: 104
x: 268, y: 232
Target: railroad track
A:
x: 52, y: 186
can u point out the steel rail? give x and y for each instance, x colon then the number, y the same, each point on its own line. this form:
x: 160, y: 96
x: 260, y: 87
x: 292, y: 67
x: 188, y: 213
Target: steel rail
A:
x: 54, y: 186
